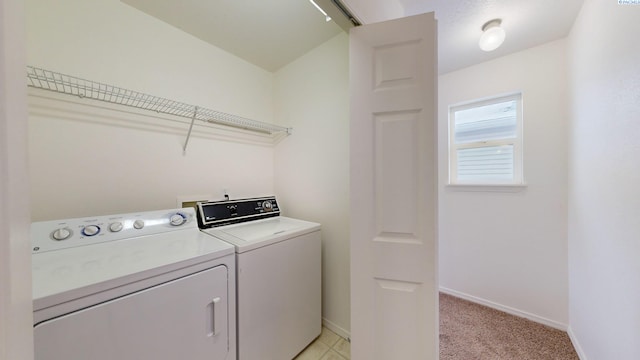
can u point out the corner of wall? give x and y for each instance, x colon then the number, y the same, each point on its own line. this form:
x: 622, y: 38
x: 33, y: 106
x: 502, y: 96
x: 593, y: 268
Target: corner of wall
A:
x: 576, y: 344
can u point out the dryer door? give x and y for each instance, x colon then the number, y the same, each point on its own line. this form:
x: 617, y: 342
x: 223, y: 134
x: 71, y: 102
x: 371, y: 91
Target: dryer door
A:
x: 186, y: 318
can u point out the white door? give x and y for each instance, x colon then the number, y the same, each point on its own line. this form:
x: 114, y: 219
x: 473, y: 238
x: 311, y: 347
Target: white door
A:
x: 183, y: 319
x: 393, y: 78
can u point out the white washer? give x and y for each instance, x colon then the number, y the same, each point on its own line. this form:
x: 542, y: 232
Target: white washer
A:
x: 131, y: 287
x: 278, y: 264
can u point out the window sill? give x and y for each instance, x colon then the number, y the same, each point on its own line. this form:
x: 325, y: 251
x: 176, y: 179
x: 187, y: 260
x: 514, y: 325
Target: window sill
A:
x: 510, y: 188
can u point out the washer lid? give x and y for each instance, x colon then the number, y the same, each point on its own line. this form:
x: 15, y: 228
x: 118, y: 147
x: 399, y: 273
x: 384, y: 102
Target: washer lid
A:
x: 67, y: 274
x: 255, y: 234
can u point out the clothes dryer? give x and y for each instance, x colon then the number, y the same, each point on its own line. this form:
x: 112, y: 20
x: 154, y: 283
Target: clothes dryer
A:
x: 133, y: 286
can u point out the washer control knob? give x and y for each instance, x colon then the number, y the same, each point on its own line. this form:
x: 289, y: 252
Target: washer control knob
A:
x: 266, y: 205
x: 61, y: 234
x: 138, y: 224
x: 115, y: 226
x: 91, y: 230
x: 177, y: 219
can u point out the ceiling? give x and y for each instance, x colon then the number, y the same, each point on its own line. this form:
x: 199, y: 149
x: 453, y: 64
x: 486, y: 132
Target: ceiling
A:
x: 267, y: 33
x: 272, y: 33
x: 527, y: 23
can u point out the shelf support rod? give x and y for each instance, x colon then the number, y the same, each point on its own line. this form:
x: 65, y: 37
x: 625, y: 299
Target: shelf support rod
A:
x: 186, y: 141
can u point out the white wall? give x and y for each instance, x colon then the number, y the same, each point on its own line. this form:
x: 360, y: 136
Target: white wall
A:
x: 509, y: 249
x: 93, y: 158
x: 604, y: 202
x: 87, y: 160
x: 312, y: 165
x: 16, y: 339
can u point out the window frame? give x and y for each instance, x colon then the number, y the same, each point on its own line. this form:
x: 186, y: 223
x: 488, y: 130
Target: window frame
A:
x: 517, y: 143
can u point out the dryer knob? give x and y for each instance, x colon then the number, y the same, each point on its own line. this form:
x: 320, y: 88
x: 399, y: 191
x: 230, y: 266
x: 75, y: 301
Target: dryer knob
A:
x: 177, y: 219
x: 90, y: 230
x: 116, y: 226
x: 138, y: 224
x: 61, y: 234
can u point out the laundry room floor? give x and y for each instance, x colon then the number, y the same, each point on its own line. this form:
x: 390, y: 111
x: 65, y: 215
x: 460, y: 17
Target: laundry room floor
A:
x: 328, y: 346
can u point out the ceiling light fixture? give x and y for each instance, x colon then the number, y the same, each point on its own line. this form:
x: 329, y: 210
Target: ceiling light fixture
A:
x: 326, y: 17
x: 492, y: 36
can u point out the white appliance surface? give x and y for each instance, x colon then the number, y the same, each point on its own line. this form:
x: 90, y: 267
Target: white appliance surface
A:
x: 149, y: 324
x: 132, y: 286
x: 61, y: 275
x: 251, y: 235
x: 279, y: 285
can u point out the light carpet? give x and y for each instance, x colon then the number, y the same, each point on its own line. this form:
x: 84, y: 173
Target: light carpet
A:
x: 469, y: 331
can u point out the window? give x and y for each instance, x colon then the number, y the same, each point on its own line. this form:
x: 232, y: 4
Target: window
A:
x: 485, y: 144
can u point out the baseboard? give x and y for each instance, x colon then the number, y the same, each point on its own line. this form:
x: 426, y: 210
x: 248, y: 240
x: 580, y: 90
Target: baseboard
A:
x: 509, y: 310
x: 336, y: 329
x: 576, y: 344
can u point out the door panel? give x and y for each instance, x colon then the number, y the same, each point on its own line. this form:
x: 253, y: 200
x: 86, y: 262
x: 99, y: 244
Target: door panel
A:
x: 185, y: 318
x: 393, y: 190
x: 395, y: 311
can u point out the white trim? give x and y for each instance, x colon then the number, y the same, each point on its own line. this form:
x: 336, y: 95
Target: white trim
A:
x: 509, y: 188
x: 486, y: 99
x: 509, y: 310
x: 576, y: 344
x: 336, y: 329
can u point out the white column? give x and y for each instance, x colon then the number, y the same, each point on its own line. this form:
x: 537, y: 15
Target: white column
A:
x: 16, y: 339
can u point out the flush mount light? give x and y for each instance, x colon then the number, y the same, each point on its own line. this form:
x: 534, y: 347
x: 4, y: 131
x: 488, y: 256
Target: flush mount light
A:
x: 326, y: 17
x: 492, y: 36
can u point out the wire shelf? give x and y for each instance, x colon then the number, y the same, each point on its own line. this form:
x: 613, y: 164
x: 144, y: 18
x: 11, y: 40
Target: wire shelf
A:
x: 71, y: 85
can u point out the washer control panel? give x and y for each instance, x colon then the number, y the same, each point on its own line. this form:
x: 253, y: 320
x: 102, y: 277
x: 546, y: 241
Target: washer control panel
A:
x: 220, y: 213
x: 62, y: 234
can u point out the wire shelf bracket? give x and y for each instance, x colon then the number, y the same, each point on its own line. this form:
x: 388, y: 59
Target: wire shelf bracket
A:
x: 186, y: 141
x: 71, y: 85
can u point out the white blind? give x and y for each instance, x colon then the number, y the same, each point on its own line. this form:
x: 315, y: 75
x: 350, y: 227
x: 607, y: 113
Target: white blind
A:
x: 485, y: 164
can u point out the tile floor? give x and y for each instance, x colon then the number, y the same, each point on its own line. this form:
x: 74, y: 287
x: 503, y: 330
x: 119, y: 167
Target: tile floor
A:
x: 328, y: 346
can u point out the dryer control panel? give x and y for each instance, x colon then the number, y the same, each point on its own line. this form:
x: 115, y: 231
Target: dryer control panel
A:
x: 218, y: 213
x: 62, y: 234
